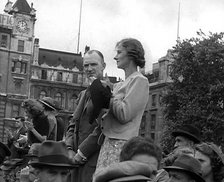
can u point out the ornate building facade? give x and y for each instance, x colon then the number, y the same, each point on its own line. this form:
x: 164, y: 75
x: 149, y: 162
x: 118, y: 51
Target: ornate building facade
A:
x: 28, y: 71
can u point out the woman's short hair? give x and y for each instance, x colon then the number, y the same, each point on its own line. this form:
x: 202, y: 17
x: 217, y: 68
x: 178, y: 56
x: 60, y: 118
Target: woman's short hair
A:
x: 216, y: 156
x: 134, y: 50
x: 33, y: 107
x: 139, y: 145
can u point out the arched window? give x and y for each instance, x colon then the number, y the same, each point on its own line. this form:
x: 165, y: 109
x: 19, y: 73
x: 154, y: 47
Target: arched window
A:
x: 42, y: 94
x: 58, y: 97
x: 73, y: 102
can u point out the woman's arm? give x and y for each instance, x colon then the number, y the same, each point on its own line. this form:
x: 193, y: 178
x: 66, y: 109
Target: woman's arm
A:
x: 38, y: 135
x: 135, y: 99
x: 31, y: 128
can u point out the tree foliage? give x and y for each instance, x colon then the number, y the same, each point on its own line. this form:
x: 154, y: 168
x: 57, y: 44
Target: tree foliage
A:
x: 196, y: 95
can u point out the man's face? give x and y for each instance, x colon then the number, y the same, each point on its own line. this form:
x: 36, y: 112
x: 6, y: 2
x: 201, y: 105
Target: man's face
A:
x: 205, y: 163
x: 53, y: 174
x: 179, y: 176
x: 93, y: 65
x: 181, y: 141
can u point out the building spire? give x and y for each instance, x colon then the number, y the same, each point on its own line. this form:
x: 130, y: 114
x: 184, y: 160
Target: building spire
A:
x: 21, y: 6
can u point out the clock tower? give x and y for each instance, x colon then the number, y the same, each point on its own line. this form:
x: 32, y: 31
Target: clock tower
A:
x: 16, y: 52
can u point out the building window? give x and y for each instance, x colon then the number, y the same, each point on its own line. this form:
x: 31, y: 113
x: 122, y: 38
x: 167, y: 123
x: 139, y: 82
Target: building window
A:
x: 15, y: 110
x: 153, y: 122
x: 58, y: 97
x: 19, y: 66
x: 168, y: 70
x: 4, y: 41
x: 75, y: 78
x: 153, y: 136
x: 21, y: 45
x: 59, y: 76
x: 44, y: 74
x: 154, y: 100
x: 73, y: 102
x: 42, y: 94
x: 23, y: 68
x: 143, y: 123
x: 160, y: 99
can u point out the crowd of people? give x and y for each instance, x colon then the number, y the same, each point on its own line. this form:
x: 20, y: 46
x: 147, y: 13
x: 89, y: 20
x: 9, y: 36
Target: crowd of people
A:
x: 101, y: 142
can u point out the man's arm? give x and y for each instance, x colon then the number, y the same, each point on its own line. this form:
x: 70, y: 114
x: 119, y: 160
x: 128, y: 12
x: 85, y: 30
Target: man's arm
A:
x: 90, y: 145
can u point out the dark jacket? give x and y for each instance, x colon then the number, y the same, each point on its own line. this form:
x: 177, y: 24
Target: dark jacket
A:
x: 78, y: 130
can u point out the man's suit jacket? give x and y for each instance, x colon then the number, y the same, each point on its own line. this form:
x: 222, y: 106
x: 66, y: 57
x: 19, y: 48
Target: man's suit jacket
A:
x: 80, y: 123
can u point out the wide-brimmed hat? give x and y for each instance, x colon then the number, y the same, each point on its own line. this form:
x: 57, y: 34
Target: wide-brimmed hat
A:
x: 131, y: 178
x: 33, y: 151
x: 53, y: 153
x: 4, y: 150
x: 51, y: 103
x: 189, y: 132
x: 123, y: 171
x: 189, y: 165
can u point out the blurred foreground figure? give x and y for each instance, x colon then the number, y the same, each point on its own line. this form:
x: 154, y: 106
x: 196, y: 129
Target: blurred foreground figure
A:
x: 185, y: 169
x: 212, y: 161
x: 53, y: 163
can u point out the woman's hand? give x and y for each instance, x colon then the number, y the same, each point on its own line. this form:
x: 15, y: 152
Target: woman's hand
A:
x: 22, y: 139
x: 106, y: 82
x: 29, y: 125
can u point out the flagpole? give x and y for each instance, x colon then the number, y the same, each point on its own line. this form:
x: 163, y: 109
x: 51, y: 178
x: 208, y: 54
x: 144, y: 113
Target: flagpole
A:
x: 178, y: 23
x: 80, y: 18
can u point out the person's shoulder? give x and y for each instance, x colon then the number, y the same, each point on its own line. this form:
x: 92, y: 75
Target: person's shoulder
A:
x: 137, y: 76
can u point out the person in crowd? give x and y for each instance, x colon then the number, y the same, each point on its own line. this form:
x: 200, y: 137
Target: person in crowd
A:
x: 51, y: 108
x: 138, y: 152
x: 28, y: 174
x: 18, y: 150
x: 185, y: 139
x: 187, y: 135
x: 185, y: 169
x: 126, y: 171
x: 212, y: 161
x: 82, y: 124
x: 143, y: 150
x: 122, y: 120
x: 53, y: 164
x: 37, y: 122
x: 4, y: 152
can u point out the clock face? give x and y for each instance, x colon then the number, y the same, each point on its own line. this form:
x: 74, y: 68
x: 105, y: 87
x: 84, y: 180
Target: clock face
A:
x: 22, y: 26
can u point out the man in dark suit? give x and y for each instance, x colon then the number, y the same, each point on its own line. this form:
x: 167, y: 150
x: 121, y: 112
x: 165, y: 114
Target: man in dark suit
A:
x: 83, y: 122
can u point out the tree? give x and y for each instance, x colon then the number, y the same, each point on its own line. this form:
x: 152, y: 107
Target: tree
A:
x: 196, y: 95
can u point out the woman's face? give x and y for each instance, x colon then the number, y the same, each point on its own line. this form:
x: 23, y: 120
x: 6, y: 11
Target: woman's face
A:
x: 121, y: 57
x: 205, y: 163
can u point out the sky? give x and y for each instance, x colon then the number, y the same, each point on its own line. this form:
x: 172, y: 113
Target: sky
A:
x: 105, y: 22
